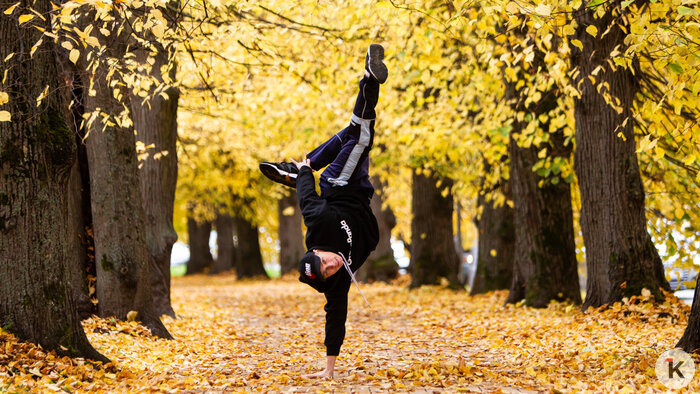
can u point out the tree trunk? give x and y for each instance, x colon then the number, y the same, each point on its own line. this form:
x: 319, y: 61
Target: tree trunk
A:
x: 37, y: 154
x: 496, y: 233
x: 290, y: 234
x: 380, y: 265
x: 621, y: 257
x: 249, y: 259
x: 224, y: 243
x: 123, y: 280
x: 79, y: 262
x: 545, y: 266
x: 155, y: 121
x: 690, y: 342
x: 200, y: 255
x: 433, y: 254
x: 81, y: 210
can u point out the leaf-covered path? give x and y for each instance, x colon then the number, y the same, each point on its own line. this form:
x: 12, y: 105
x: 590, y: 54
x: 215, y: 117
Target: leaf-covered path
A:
x: 262, y: 335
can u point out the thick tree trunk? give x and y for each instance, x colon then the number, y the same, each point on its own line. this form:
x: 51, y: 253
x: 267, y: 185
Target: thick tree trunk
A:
x: 155, y: 121
x: 200, y: 255
x: 621, y: 257
x: 249, y: 259
x: 123, y: 280
x: 496, y: 233
x: 545, y: 266
x: 290, y: 233
x: 224, y: 243
x: 433, y: 254
x: 380, y: 265
x: 37, y: 154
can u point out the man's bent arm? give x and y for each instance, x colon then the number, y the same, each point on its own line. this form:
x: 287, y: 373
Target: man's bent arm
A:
x: 309, y: 201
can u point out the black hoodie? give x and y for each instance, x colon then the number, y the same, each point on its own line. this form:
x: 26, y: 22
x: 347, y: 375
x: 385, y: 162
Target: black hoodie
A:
x: 339, y: 221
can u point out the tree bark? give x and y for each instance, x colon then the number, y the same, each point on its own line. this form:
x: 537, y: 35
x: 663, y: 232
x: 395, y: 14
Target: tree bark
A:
x: 497, y: 233
x: 79, y: 262
x: 224, y: 243
x: 37, y: 154
x: 380, y: 265
x: 690, y: 341
x: 201, y: 259
x: 155, y: 121
x: 290, y: 233
x: 81, y: 207
x: 545, y: 266
x: 621, y: 257
x: 433, y: 254
x: 249, y: 259
x: 123, y: 280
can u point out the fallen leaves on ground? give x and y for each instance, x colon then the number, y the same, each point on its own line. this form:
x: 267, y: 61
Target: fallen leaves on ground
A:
x: 263, y: 335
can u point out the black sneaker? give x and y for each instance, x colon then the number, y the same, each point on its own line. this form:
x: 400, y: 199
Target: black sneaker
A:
x: 374, y: 64
x: 284, y: 173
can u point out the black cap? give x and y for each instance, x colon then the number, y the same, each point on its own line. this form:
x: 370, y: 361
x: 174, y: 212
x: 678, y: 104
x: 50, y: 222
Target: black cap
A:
x: 310, y: 268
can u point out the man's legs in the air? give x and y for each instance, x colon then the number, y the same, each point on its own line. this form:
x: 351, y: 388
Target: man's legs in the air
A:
x: 345, y: 154
x: 348, y: 149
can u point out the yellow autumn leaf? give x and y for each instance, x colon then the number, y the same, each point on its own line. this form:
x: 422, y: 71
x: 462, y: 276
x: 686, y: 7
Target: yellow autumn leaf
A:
x: 543, y: 10
x: 5, y: 116
x: 512, y: 8
x: 11, y: 8
x: 25, y: 18
x: 42, y: 95
x: 569, y: 29
x: 131, y: 315
x: 592, y: 30
x: 74, y: 55
x: 93, y: 41
x: 577, y: 43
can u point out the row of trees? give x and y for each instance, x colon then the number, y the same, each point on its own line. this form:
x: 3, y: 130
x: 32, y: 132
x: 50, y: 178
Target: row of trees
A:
x: 86, y: 219
x: 568, y: 76
x: 549, y: 122
x: 485, y: 105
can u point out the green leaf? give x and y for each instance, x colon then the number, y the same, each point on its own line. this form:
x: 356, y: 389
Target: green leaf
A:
x: 676, y: 68
x: 626, y: 4
x: 595, y: 3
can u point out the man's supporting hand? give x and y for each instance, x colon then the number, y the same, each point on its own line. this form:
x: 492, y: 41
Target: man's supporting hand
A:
x: 326, y: 373
x: 305, y: 162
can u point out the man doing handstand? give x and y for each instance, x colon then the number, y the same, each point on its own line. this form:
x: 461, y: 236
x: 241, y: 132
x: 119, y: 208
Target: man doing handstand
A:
x: 341, y: 228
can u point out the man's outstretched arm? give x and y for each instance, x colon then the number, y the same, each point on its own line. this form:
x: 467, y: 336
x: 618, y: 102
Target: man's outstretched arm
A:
x: 336, y: 314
